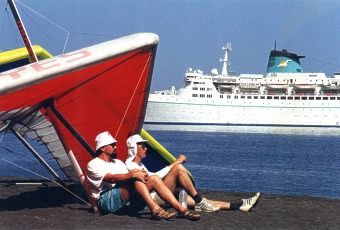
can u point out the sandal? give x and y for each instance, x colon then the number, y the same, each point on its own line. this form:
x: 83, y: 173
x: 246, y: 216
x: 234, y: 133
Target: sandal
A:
x: 161, y: 214
x: 187, y: 214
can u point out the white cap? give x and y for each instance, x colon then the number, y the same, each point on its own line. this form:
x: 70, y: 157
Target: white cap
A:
x: 103, y: 139
x: 131, y: 143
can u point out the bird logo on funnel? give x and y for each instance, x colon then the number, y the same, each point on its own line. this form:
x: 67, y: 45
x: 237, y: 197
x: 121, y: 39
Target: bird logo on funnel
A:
x: 283, y: 63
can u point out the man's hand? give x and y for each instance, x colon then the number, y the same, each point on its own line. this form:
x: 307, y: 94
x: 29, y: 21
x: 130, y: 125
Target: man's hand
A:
x: 140, y: 175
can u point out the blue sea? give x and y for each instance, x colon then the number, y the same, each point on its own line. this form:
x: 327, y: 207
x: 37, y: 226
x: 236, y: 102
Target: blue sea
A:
x: 276, y: 160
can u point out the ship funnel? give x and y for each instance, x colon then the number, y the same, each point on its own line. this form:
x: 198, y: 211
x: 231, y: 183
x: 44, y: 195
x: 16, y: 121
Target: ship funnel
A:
x: 284, y: 62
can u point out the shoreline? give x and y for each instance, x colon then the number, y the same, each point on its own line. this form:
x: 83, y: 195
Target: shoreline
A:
x: 46, y: 205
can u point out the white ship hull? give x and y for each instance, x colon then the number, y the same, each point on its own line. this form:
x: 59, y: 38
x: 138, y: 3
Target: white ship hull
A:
x: 172, y: 109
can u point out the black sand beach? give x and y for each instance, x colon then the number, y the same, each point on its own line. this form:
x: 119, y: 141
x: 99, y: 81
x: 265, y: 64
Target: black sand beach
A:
x: 48, y: 206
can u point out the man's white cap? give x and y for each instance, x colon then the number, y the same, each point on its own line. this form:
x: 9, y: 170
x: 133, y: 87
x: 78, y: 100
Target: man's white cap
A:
x: 131, y: 143
x: 104, y: 138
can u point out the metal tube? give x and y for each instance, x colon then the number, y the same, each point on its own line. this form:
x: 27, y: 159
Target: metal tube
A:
x: 74, y: 132
x: 22, y: 30
x: 42, y: 161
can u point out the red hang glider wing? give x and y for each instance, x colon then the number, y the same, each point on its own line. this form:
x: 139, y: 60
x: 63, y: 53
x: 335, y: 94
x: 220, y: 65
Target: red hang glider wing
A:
x: 99, y: 88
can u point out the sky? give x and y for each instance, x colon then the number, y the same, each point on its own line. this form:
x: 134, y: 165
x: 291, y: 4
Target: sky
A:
x: 191, y: 32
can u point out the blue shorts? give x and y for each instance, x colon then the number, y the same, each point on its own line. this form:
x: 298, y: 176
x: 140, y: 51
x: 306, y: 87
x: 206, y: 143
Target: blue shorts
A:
x: 111, y: 201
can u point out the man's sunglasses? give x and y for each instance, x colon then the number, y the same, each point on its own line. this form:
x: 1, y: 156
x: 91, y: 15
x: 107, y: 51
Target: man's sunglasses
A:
x: 142, y: 145
x: 113, y: 145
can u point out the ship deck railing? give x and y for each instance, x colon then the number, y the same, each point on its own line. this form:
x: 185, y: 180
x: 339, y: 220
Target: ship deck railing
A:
x: 282, y: 97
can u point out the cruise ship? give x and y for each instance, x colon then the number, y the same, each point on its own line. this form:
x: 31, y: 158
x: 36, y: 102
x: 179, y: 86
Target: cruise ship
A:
x: 284, y: 96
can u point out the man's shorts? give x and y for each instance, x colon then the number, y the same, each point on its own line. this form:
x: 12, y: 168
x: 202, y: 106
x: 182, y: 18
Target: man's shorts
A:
x: 111, y: 201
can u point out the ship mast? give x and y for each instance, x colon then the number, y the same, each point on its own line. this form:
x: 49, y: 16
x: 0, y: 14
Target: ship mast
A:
x: 22, y: 30
x: 226, y: 48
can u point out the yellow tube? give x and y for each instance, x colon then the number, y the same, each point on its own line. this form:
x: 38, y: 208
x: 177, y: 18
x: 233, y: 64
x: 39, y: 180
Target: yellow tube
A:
x: 157, y: 146
x: 160, y: 149
x: 22, y: 53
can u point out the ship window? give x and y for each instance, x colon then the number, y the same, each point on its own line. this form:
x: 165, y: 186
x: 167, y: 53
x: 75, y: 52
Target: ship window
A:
x: 194, y: 95
x: 194, y: 88
x: 271, y: 62
x: 202, y: 95
x: 202, y: 88
x: 283, y: 97
x: 332, y: 98
x: 338, y: 98
x: 256, y: 97
x: 269, y: 97
x: 221, y: 96
x: 242, y: 97
x: 262, y: 97
x: 311, y: 98
x: 318, y: 98
x: 209, y: 96
x: 325, y: 98
x: 297, y: 98
x: 248, y: 97
x: 276, y: 97
x: 228, y: 96
x: 209, y: 89
x: 303, y: 98
x: 236, y: 97
x: 290, y: 98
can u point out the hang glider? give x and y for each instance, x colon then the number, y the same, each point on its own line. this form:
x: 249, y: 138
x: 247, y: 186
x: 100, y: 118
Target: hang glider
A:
x: 65, y: 101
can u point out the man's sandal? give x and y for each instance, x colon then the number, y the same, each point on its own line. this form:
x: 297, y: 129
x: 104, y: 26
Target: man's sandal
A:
x: 187, y: 214
x: 162, y: 214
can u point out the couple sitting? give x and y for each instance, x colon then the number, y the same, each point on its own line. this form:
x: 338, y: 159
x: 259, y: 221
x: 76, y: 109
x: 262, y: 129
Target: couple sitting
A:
x: 125, y: 189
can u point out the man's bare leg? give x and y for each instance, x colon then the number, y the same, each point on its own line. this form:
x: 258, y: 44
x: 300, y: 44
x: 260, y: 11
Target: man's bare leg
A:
x: 125, y: 191
x: 154, y: 182
x: 144, y: 192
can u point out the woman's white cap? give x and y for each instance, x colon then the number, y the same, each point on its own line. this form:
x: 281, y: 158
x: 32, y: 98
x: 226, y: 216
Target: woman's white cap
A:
x: 104, y: 138
x: 131, y: 143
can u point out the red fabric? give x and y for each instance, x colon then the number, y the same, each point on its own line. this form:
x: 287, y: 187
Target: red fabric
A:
x: 107, y: 96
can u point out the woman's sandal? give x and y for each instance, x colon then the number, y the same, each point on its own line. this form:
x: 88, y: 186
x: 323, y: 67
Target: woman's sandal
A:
x: 162, y: 214
x: 187, y: 214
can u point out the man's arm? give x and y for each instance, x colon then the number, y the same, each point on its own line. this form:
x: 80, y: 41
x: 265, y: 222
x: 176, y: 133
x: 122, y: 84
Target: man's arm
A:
x: 135, y: 174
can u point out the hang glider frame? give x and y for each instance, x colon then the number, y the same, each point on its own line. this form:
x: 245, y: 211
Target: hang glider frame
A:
x: 34, y: 153
x: 49, y: 104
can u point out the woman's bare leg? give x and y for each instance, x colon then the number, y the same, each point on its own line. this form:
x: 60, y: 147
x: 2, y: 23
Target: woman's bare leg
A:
x: 179, y: 174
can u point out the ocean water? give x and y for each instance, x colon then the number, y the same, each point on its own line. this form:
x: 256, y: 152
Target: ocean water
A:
x: 17, y: 161
x: 279, y: 160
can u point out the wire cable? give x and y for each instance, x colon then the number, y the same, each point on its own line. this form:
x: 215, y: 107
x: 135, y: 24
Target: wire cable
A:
x: 48, y: 180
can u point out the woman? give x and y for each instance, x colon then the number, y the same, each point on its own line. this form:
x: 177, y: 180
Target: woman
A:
x: 175, y: 174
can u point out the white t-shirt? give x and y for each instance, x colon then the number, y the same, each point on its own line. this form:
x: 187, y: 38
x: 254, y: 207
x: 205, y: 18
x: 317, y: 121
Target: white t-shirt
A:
x: 161, y: 173
x: 96, y: 171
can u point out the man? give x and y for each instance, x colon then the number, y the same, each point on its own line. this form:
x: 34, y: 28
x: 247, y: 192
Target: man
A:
x: 175, y: 174
x: 120, y: 191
